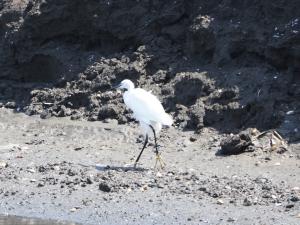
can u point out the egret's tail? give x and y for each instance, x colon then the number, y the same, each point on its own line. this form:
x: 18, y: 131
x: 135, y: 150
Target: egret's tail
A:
x: 166, y: 120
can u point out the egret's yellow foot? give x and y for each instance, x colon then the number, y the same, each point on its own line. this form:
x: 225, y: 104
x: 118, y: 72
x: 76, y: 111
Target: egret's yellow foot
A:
x: 160, y: 160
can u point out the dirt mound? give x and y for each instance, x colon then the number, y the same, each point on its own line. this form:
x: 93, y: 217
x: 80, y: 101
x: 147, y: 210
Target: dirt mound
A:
x: 224, y: 64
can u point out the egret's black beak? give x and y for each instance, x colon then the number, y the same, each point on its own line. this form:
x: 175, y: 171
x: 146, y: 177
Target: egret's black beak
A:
x: 116, y: 86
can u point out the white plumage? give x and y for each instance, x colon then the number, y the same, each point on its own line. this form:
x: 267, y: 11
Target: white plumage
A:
x: 147, y: 109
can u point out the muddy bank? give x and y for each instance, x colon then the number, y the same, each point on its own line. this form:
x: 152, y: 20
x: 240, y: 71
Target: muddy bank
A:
x: 212, y: 64
x: 52, y: 169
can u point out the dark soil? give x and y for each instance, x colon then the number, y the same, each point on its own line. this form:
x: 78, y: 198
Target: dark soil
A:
x: 223, y: 64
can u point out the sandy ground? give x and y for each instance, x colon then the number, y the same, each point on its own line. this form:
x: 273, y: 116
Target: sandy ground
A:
x: 54, y: 169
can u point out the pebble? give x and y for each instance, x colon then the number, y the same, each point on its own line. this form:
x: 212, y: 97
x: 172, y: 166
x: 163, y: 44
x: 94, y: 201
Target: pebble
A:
x: 74, y: 209
x: 3, y: 164
x: 78, y: 148
x: 193, y: 139
x: 31, y: 170
x: 295, y: 199
x: 230, y: 219
x: 41, y: 184
x: 289, y: 206
x: 247, y: 202
x: 10, y: 105
x: 220, y: 202
x: 158, y: 174
x: 104, y: 187
x: 290, y: 112
x: 144, y: 188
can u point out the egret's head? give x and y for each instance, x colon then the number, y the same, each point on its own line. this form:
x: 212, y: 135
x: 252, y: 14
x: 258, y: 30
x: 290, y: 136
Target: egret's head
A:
x: 125, y: 84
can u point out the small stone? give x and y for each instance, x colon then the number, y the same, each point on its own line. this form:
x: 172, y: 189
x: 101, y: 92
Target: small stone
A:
x: 277, y: 164
x: 42, y: 169
x: 10, y: 105
x: 76, y: 116
x: 104, y: 187
x: 158, y: 174
x: 247, y: 202
x: 230, y: 219
x: 89, y: 180
x: 33, y: 180
x: 144, y: 188
x: 30, y: 170
x: 220, y: 202
x: 193, y: 139
x: 45, y: 114
x: 56, y: 168
x: 294, y: 199
x: 78, y: 148
x: 289, y: 206
x: 41, y: 184
x: 74, y: 209
x: 202, y: 189
x: 3, y: 164
x: 71, y: 173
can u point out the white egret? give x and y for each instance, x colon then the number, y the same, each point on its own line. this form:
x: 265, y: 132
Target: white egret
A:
x: 148, y: 110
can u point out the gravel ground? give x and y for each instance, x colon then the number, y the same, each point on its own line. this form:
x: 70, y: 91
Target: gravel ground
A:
x: 55, y: 169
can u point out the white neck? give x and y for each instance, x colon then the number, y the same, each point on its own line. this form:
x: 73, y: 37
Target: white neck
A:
x: 130, y: 86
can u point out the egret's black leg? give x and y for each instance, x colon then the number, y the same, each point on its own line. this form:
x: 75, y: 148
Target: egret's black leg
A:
x: 158, y: 157
x: 138, y: 158
x: 155, y: 141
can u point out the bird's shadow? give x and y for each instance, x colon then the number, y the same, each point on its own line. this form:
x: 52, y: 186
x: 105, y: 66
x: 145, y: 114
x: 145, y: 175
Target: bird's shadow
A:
x: 119, y: 168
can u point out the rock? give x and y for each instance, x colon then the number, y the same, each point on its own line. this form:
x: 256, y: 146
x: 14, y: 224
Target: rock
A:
x: 76, y: 116
x: 230, y: 219
x: 193, y: 138
x: 10, y: 105
x: 247, y: 202
x: 104, y: 187
x: 41, y: 184
x: 3, y: 164
x: 220, y: 202
x: 89, y: 180
x: 295, y: 199
x: 289, y: 206
x: 31, y: 170
x: 78, y: 148
x: 41, y: 169
x: 45, y: 114
x: 74, y: 209
x: 235, y: 144
x: 158, y: 174
x: 71, y: 173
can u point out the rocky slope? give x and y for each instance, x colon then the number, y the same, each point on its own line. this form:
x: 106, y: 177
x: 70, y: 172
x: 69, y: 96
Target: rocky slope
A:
x: 226, y: 64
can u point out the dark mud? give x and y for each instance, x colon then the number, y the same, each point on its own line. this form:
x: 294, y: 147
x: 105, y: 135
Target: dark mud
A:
x: 212, y: 64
